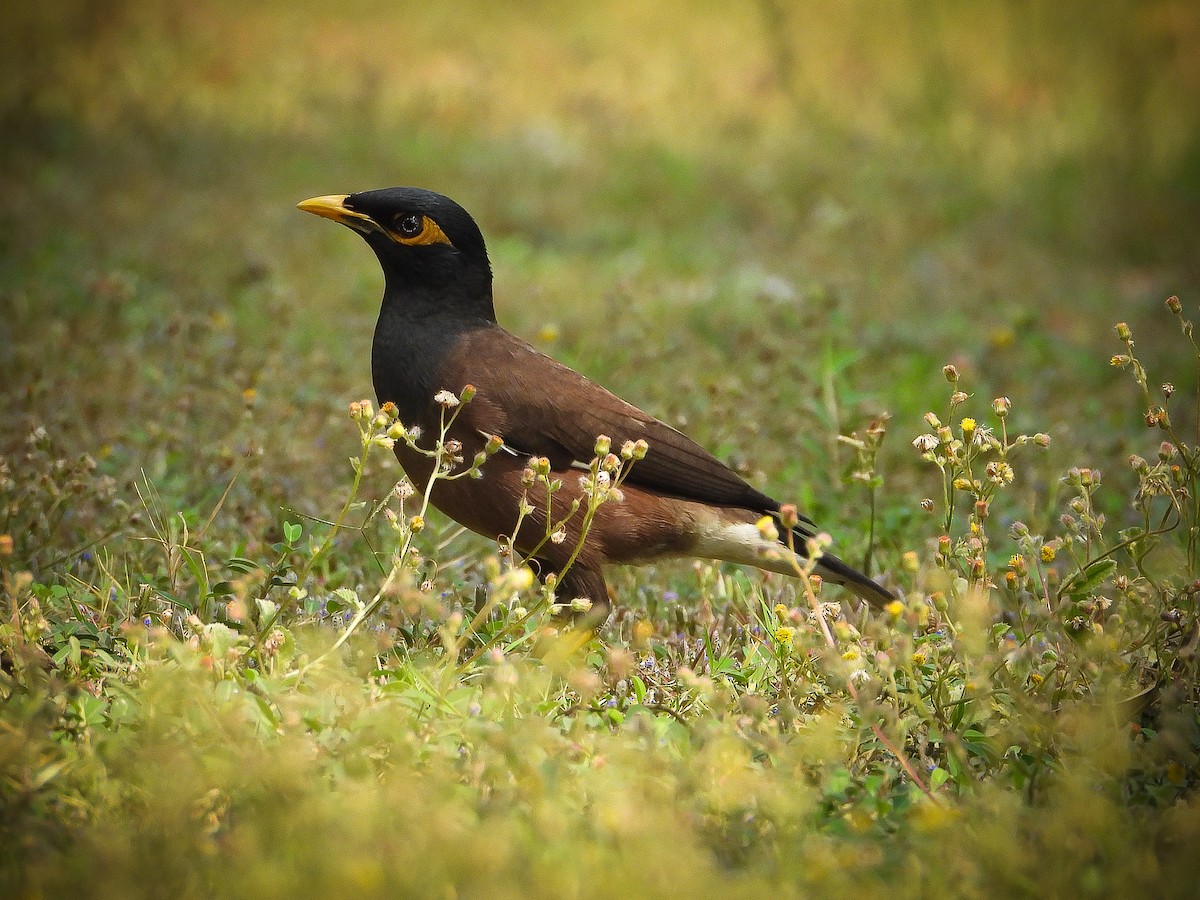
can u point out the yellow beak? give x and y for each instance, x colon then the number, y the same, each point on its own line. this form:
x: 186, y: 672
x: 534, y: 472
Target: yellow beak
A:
x: 333, y: 206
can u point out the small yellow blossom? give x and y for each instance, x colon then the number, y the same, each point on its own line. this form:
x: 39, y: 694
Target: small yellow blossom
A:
x: 782, y: 612
x: 968, y: 425
x: 918, y: 658
x: 895, y: 608
x: 784, y: 635
x: 1048, y: 553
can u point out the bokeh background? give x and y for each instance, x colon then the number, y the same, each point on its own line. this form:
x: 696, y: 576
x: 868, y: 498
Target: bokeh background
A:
x: 807, y: 209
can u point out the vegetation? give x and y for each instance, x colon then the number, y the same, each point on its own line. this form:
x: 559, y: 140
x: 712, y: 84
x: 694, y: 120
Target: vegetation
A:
x: 925, y: 270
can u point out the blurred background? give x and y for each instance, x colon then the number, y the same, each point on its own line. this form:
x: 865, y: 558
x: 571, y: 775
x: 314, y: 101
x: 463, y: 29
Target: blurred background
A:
x: 765, y: 222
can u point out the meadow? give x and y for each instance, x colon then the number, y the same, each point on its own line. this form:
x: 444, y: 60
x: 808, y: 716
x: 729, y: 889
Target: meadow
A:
x: 927, y: 270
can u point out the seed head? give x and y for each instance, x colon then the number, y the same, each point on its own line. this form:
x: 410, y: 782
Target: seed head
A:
x: 445, y: 399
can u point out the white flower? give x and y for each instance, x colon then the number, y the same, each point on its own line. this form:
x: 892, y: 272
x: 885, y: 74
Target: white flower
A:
x: 925, y: 443
x: 446, y: 399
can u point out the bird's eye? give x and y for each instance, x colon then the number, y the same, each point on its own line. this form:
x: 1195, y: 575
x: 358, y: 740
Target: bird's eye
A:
x: 409, y: 225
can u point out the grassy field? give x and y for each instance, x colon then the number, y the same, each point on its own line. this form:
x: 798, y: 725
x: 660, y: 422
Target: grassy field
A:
x: 770, y: 225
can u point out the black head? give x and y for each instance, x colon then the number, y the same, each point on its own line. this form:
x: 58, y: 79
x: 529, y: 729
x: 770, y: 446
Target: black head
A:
x: 431, y: 250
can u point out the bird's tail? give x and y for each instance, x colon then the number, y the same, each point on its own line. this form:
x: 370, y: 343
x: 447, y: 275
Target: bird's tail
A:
x: 830, y: 568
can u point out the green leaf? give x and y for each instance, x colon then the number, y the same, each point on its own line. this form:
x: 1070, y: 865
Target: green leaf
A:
x: 241, y: 564
x: 292, y: 531
x: 938, y: 777
x: 1089, y: 578
x: 639, y: 688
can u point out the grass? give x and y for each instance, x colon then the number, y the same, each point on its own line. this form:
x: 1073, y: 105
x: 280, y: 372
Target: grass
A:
x: 769, y: 227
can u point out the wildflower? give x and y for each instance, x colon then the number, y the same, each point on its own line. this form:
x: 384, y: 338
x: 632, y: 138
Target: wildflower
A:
x: 789, y: 517
x: 958, y: 397
x: 1166, y: 450
x: 559, y: 536
x: 918, y: 658
x: 581, y: 605
x: 1000, y: 472
x: 951, y: 374
x: 910, y: 561
x: 1049, y: 551
x: 1000, y: 406
x: 925, y: 443
x: 784, y: 635
x: 1174, y: 305
x: 468, y: 393
x: 603, y: 445
x: 1041, y: 439
x: 1123, y: 332
x: 852, y: 655
x: 895, y: 609
x: 446, y: 399
x: 1120, y: 360
x: 968, y: 426
x: 782, y: 612
x: 416, y: 523
x: 766, y: 528
x: 932, y: 420
x: 860, y: 675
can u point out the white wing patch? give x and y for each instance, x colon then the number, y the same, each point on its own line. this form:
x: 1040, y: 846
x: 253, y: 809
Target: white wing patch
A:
x: 742, y: 543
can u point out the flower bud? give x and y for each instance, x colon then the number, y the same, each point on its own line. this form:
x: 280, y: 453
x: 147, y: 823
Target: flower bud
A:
x: 1174, y: 305
x: 1000, y: 406
x: 603, y: 445
x: 789, y: 518
x: 1123, y: 332
x: 951, y: 374
x: 468, y: 393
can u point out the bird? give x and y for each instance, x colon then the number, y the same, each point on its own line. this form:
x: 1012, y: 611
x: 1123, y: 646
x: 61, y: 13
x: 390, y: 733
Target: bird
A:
x: 437, y: 332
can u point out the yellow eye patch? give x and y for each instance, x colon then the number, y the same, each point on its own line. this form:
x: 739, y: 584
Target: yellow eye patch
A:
x: 430, y: 233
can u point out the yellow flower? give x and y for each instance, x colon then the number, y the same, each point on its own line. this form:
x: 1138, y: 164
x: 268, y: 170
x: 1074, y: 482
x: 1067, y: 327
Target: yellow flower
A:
x: 895, y: 608
x: 1048, y: 553
x: 968, y: 425
x: 918, y: 658
x: 782, y: 612
x: 784, y: 635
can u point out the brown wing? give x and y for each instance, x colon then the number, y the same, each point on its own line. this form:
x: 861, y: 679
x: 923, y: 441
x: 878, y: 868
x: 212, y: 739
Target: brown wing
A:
x: 542, y: 408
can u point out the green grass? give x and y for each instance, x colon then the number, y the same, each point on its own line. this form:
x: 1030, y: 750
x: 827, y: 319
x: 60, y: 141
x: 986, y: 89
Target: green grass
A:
x: 770, y: 226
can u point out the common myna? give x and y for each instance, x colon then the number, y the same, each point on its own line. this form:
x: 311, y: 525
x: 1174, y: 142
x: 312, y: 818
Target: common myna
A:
x: 437, y: 331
